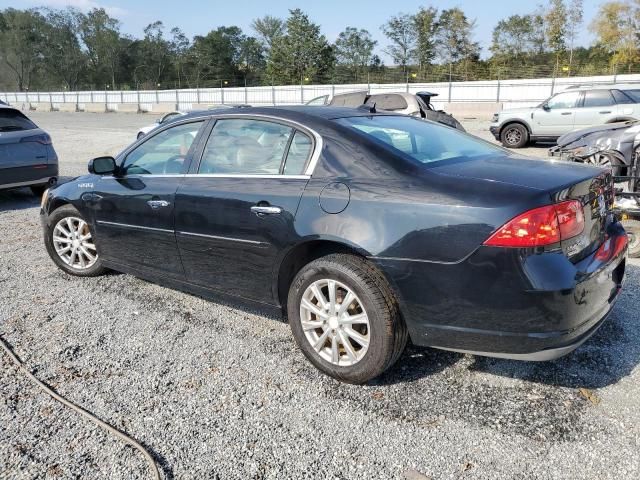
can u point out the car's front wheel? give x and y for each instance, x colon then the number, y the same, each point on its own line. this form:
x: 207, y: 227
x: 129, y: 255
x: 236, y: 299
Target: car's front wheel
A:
x: 514, y: 135
x: 71, y: 244
x: 345, y: 319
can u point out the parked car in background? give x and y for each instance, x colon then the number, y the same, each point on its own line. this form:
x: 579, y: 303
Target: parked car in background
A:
x: 365, y: 228
x: 172, y: 115
x: 574, y: 108
x: 3, y: 103
x: 27, y: 157
x: 418, y: 105
x: 162, y: 120
x: 614, y: 144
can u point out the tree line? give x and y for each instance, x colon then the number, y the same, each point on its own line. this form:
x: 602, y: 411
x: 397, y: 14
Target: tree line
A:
x: 45, y: 48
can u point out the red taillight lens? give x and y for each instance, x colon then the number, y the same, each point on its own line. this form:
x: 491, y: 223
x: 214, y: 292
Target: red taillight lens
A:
x: 541, y: 226
x: 42, y: 138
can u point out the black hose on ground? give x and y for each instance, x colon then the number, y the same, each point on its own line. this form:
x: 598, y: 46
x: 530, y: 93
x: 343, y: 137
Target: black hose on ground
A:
x: 76, y: 408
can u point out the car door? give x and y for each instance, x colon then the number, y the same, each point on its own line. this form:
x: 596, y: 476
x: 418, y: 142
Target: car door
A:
x: 597, y: 107
x: 555, y: 117
x: 235, y: 211
x: 133, y: 211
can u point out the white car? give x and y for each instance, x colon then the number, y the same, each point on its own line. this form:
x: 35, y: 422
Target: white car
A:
x: 163, y: 119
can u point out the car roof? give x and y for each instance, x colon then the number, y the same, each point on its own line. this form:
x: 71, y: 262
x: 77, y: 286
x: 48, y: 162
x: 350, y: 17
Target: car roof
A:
x: 295, y: 112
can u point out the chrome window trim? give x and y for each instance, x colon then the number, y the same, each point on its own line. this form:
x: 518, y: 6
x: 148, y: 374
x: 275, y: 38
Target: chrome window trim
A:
x: 217, y: 237
x: 135, y: 227
x: 209, y: 175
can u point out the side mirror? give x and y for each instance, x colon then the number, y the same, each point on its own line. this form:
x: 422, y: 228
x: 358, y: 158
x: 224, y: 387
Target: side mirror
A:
x: 102, y: 166
x: 545, y: 107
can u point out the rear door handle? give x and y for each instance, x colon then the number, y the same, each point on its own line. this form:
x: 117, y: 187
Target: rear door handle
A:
x: 266, y: 210
x: 606, y: 111
x: 158, y: 203
x: 566, y: 113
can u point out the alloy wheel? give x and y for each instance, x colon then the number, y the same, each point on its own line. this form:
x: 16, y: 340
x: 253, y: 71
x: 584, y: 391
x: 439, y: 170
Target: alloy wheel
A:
x: 335, y: 322
x: 73, y: 243
x: 513, y: 136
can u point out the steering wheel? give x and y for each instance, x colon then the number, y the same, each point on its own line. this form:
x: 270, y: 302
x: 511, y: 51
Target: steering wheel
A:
x: 174, y: 164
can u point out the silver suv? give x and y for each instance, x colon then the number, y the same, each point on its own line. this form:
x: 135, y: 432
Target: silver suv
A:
x: 576, y: 107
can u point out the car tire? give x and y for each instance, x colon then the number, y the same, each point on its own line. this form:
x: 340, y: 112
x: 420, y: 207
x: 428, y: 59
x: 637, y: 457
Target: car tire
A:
x: 72, y: 233
x: 514, y: 135
x: 633, y: 232
x: 372, y: 301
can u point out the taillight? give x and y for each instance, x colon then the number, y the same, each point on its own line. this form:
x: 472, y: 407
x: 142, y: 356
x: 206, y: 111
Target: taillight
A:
x: 42, y: 138
x: 541, y: 226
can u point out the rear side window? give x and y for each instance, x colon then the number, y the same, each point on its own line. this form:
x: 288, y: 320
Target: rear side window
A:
x: 620, y: 97
x: 13, y: 121
x: 598, y: 98
x: 388, y: 102
x: 634, y: 94
x: 299, y: 152
x: 423, y: 141
x: 245, y: 147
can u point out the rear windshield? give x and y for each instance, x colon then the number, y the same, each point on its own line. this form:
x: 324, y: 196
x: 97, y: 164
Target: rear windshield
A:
x: 423, y: 141
x: 12, y: 121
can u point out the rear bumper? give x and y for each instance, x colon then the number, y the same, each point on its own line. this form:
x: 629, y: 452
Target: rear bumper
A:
x: 510, y: 303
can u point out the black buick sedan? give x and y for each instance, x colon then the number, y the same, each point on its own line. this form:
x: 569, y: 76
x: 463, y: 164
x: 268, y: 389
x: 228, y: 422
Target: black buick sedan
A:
x: 365, y: 229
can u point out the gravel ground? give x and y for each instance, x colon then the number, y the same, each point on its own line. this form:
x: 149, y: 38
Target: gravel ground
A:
x: 217, y: 392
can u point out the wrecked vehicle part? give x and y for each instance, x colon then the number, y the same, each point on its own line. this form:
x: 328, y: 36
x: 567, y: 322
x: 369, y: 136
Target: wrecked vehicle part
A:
x: 615, y: 144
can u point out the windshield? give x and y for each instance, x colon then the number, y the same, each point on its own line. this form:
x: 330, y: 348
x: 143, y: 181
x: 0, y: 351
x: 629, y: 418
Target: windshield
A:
x: 13, y: 121
x: 421, y: 140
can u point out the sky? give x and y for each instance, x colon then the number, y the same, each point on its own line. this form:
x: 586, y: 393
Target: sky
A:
x: 197, y: 17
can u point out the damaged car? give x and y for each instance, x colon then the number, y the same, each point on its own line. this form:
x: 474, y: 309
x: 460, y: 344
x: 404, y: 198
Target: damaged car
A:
x: 418, y: 105
x: 616, y: 145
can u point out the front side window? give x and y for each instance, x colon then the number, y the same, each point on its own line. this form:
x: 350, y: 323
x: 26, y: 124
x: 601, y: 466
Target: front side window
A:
x: 254, y: 147
x: 598, y: 98
x: 423, y: 141
x: 563, y: 100
x: 164, y: 153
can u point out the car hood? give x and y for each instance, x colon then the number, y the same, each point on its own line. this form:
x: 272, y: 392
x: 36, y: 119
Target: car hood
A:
x: 546, y: 175
x: 610, y: 130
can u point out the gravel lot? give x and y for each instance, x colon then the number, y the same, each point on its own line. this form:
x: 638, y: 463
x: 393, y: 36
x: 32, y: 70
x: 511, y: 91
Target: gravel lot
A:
x: 217, y: 392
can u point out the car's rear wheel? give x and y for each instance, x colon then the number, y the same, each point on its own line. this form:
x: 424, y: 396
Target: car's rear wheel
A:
x: 633, y: 232
x: 345, y: 319
x: 70, y: 243
x: 514, y: 135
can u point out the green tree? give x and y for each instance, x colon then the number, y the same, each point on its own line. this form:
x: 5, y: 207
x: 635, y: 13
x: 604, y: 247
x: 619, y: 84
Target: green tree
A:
x: 617, y: 32
x: 556, y: 30
x: 354, y: 49
x: 179, y: 46
x: 574, y: 22
x: 455, y: 39
x: 426, y: 25
x: 511, y: 37
x: 268, y: 29
x: 252, y: 60
x: 21, y: 42
x: 302, y: 52
x: 215, y: 57
x: 400, y: 29
x: 154, y: 52
x: 100, y: 35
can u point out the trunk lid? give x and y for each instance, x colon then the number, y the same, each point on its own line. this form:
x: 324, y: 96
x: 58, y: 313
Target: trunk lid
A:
x: 561, y: 180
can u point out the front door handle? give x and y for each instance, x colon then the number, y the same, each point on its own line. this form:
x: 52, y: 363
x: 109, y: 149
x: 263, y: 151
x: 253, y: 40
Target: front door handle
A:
x: 566, y: 113
x: 606, y: 111
x: 266, y: 210
x: 158, y: 203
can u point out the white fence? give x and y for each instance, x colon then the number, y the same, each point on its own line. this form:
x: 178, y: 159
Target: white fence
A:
x: 507, y: 92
